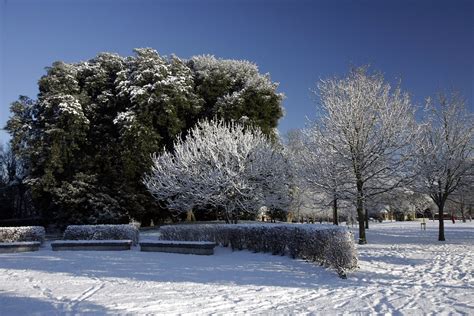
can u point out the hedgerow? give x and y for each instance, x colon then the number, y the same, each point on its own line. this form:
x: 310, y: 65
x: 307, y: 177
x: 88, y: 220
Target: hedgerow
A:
x: 330, y: 246
x: 102, y: 232
x: 22, y: 233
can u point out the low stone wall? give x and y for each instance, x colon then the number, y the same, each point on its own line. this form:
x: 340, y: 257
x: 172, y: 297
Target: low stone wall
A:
x: 21, y: 246
x: 184, y: 247
x: 102, y: 245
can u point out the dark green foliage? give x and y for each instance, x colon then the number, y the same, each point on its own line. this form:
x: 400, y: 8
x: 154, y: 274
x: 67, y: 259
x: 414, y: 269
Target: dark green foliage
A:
x: 233, y: 89
x: 86, y: 141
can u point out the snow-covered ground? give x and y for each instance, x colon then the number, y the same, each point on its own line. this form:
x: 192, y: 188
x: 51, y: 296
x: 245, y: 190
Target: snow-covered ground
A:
x: 403, y: 270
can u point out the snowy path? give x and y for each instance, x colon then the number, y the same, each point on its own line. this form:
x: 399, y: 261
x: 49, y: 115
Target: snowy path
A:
x: 402, y: 271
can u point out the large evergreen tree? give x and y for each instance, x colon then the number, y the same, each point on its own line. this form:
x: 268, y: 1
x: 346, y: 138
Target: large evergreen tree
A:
x: 88, y: 137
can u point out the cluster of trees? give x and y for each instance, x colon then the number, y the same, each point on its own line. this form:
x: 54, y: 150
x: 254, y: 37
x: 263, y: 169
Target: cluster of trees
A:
x: 87, y: 140
x: 85, y: 145
x: 366, y: 146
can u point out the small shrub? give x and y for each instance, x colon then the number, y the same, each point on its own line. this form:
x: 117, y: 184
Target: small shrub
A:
x: 102, y: 232
x: 331, y: 246
x: 22, y: 233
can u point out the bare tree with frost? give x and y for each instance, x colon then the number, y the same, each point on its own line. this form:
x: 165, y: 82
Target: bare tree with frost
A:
x: 368, y: 127
x: 223, y: 165
x: 463, y: 199
x: 317, y: 168
x: 294, y: 149
x: 445, y: 152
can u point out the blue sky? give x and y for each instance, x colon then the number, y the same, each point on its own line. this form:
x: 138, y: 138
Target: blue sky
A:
x: 429, y: 45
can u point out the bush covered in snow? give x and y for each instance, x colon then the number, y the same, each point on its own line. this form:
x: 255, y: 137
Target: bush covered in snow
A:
x: 331, y: 246
x: 228, y: 166
x: 22, y: 233
x: 102, y: 232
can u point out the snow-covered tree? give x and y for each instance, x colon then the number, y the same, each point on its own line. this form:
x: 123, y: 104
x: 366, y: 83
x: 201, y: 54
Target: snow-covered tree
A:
x: 463, y: 200
x: 223, y: 165
x: 368, y: 129
x: 293, y: 149
x: 316, y: 166
x: 445, y: 152
x: 420, y: 203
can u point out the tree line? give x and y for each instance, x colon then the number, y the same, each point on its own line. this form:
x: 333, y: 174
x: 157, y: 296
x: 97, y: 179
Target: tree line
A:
x: 152, y: 137
x: 366, y: 146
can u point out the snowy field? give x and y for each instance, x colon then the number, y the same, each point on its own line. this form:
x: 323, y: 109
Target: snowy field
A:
x: 403, y: 270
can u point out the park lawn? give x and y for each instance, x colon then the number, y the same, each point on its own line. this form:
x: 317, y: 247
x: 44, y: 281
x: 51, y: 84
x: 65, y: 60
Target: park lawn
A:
x: 402, y: 269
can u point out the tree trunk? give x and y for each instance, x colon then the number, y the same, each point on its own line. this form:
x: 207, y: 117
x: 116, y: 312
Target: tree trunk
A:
x: 441, y: 221
x: 366, y: 218
x: 360, y: 213
x: 335, y: 220
x: 227, y: 217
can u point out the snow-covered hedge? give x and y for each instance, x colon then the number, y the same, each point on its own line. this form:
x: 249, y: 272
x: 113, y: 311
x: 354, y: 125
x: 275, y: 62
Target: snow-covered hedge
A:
x: 102, y: 232
x: 331, y: 246
x: 22, y: 233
